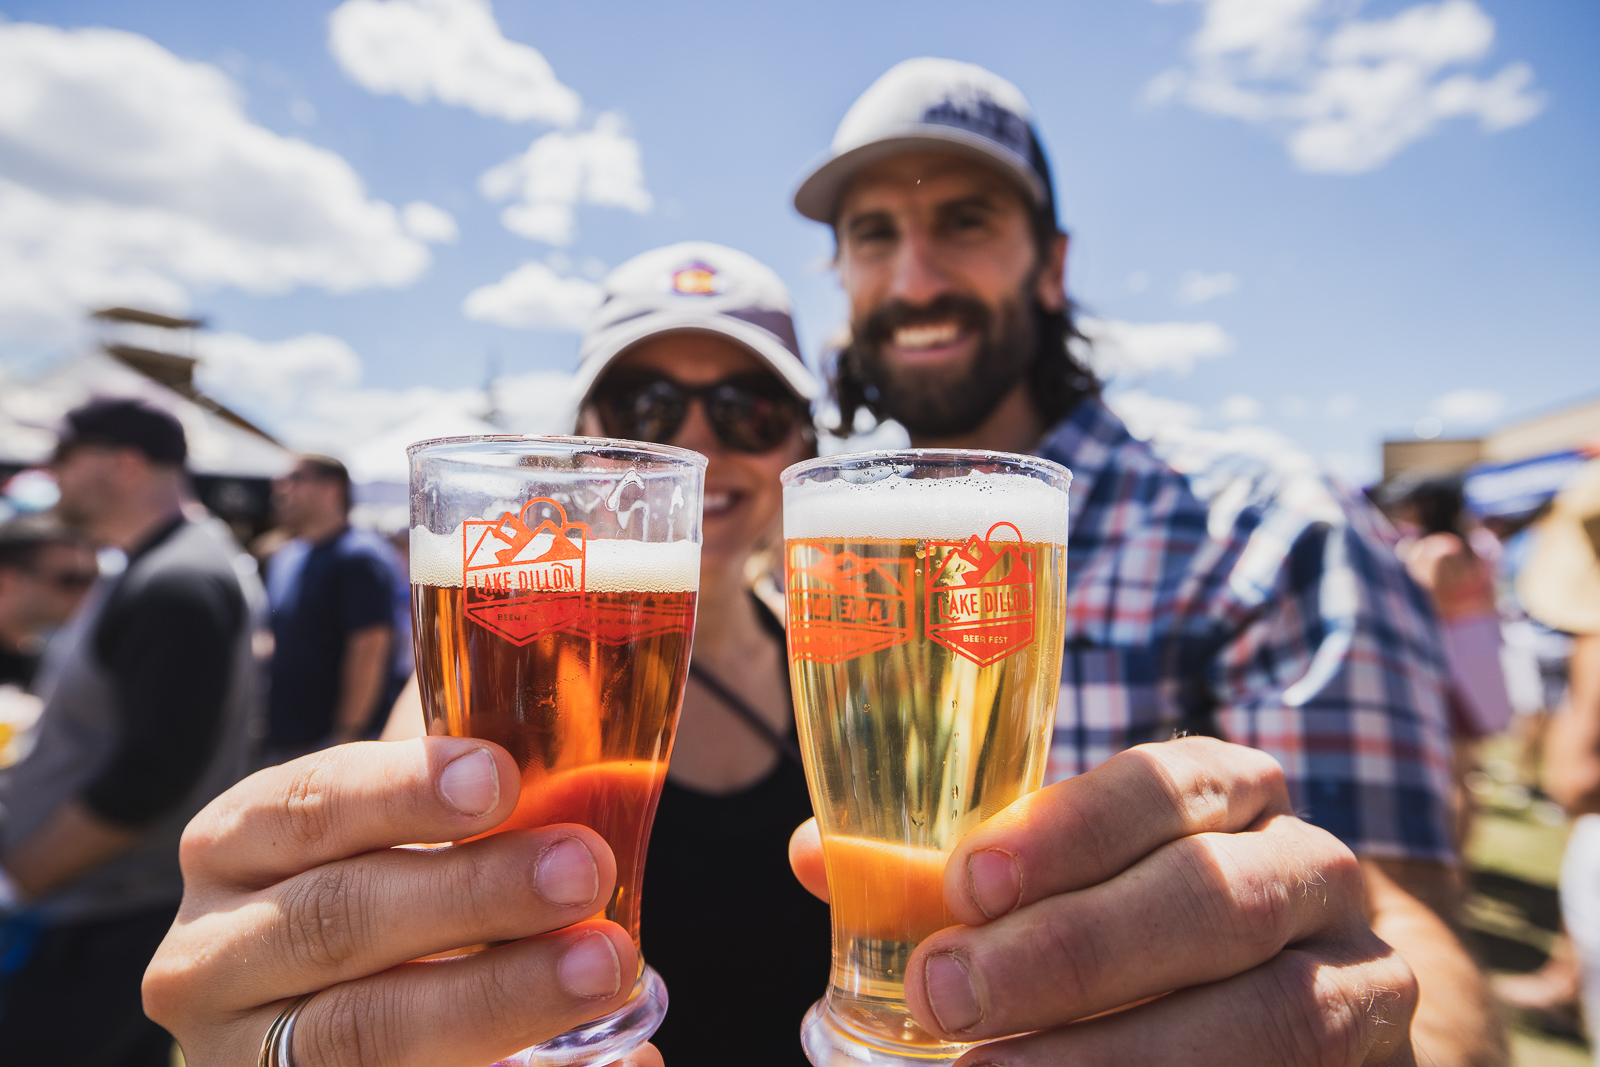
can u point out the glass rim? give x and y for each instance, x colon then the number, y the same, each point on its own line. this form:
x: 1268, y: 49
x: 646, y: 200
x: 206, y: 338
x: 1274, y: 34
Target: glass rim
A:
x: 845, y: 460
x: 595, y: 444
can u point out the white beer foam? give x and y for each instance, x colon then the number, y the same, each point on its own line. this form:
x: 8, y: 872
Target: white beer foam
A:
x: 612, y: 566
x: 940, y: 509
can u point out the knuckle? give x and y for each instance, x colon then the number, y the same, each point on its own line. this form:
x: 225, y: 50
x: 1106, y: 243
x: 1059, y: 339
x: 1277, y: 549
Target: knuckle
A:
x: 350, y: 1028
x: 1311, y: 1018
x: 323, y: 926
x: 1246, y: 905
x: 305, y: 802
x: 495, y: 1000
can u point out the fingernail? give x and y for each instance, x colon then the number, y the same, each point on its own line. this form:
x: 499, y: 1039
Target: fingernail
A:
x: 950, y: 993
x: 566, y: 874
x: 590, y: 968
x: 993, y: 882
x: 470, y: 783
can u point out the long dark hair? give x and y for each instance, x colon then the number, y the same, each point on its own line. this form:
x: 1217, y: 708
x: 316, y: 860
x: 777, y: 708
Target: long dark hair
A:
x: 1057, y: 379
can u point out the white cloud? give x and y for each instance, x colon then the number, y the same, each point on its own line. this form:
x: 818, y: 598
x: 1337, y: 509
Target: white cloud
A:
x: 307, y: 390
x: 534, y: 297
x: 275, y: 374
x: 428, y: 223
x: 563, y: 169
x: 1196, y: 287
x: 1148, y: 415
x: 1349, y: 93
x: 1470, y: 406
x: 451, y: 51
x: 1240, y: 407
x: 133, y: 176
x: 1134, y: 349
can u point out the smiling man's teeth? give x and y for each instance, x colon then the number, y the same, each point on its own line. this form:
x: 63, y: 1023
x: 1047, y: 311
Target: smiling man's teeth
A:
x: 718, y: 501
x: 928, y: 336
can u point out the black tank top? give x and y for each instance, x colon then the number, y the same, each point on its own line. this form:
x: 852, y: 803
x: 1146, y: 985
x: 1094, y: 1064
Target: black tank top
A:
x: 743, y: 948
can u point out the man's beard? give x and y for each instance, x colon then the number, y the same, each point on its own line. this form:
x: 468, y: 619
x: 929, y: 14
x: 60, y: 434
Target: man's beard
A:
x: 935, y: 403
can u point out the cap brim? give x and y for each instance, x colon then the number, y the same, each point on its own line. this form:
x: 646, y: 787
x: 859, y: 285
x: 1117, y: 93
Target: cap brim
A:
x: 818, y: 195
x: 605, y: 347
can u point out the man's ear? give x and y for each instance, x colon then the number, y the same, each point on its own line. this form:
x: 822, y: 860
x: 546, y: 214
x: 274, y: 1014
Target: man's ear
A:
x: 1051, y: 287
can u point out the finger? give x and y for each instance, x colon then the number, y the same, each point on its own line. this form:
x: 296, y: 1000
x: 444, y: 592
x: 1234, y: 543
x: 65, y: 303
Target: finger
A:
x: 1198, y: 910
x: 474, y: 1009
x: 643, y: 1056
x: 805, y: 859
x: 1084, y: 830
x: 348, y: 800
x: 356, y: 917
x: 460, y: 1012
x: 1299, y: 1009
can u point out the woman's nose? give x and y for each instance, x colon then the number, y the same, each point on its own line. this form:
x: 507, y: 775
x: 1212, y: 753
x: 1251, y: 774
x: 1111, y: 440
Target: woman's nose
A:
x: 696, y: 433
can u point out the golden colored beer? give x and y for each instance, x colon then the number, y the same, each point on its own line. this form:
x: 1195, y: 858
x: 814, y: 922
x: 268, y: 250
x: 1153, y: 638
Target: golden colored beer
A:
x: 925, y: 670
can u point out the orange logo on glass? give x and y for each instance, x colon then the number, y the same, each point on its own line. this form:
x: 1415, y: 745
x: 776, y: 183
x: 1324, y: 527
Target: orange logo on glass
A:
x: 980, y: 595
x: 843, y: 605
x: 524, y: 574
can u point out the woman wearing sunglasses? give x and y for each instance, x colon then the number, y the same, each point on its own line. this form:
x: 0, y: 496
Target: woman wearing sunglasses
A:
x: 288, y: 893
x: 694, y: 346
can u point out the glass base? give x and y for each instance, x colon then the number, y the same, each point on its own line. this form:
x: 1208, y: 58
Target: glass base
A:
x: 829, y: 1043
x: 604, y: 1039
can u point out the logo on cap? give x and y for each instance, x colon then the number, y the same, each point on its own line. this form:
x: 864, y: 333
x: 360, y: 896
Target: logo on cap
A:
x: 696, y: 279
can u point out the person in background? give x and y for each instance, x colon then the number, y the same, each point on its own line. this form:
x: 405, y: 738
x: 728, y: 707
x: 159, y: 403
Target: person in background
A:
x: 45, y: 570
x: 694, y: 346
x: 1455, y: 562
x: 1560, y: 587
x: 147, y: 716
x: 334, y: 591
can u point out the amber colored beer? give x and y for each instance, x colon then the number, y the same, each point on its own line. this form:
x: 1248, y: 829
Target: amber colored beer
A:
x: 587, y: 711
x: 925, y: 687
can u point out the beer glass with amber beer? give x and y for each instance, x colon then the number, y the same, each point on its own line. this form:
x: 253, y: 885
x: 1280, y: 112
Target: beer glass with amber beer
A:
x: 926, y: 600
x: 553, y: 584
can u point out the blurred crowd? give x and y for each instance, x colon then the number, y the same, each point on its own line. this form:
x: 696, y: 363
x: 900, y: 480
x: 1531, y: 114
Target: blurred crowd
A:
x: 147, y: 662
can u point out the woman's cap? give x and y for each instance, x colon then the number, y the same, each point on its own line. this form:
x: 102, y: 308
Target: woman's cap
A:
x: 938, y: 104
x: 1560, y: 585
x: 695, y: 285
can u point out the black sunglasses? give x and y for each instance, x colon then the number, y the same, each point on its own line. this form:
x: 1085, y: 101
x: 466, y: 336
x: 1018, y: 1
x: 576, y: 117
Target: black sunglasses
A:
x: 751, y: 412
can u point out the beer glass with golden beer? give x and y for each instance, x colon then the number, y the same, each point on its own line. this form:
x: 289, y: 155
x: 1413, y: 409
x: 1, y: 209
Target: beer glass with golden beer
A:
x: 926, y: 600
x: 553, y: 584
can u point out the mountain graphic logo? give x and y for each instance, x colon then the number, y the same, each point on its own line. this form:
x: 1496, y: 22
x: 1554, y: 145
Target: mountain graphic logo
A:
x: 843, y: 604
x: 980, y: 595
x: 524, y: 574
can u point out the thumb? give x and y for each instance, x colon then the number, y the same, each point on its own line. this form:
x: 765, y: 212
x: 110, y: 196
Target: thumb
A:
x: 805, y: 856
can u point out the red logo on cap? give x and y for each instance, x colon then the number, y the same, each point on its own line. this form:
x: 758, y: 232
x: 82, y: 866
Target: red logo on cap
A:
x: 696, y: 279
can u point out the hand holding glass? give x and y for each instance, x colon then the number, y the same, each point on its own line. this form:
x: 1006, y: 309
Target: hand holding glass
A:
x: 926, y: 598
x: 553, y: 598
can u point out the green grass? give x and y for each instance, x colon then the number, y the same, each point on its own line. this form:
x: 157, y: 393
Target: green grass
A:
x: 1512, y: 915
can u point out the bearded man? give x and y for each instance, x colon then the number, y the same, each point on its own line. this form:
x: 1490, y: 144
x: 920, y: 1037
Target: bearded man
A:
x: 1208, y: 594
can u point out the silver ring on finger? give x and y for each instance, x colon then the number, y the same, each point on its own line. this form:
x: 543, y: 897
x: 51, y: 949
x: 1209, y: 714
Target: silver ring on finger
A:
x: 280, y: 1035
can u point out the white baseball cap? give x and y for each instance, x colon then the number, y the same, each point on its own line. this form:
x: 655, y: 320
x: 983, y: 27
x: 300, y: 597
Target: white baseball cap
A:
x: 938, y: 104
x: 695, y: 285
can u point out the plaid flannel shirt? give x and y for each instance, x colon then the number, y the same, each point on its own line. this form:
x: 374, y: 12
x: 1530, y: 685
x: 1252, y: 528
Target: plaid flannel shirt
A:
x: 1254, y: 599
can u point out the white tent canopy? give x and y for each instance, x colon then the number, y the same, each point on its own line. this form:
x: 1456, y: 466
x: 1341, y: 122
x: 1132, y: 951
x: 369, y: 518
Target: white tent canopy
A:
x: 31, y: 413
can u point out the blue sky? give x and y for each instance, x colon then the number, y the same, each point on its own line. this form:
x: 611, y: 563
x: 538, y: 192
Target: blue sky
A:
x: 1334, y: 295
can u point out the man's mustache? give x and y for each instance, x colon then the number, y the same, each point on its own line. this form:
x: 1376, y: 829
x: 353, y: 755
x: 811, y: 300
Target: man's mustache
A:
x: 884, y: 320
